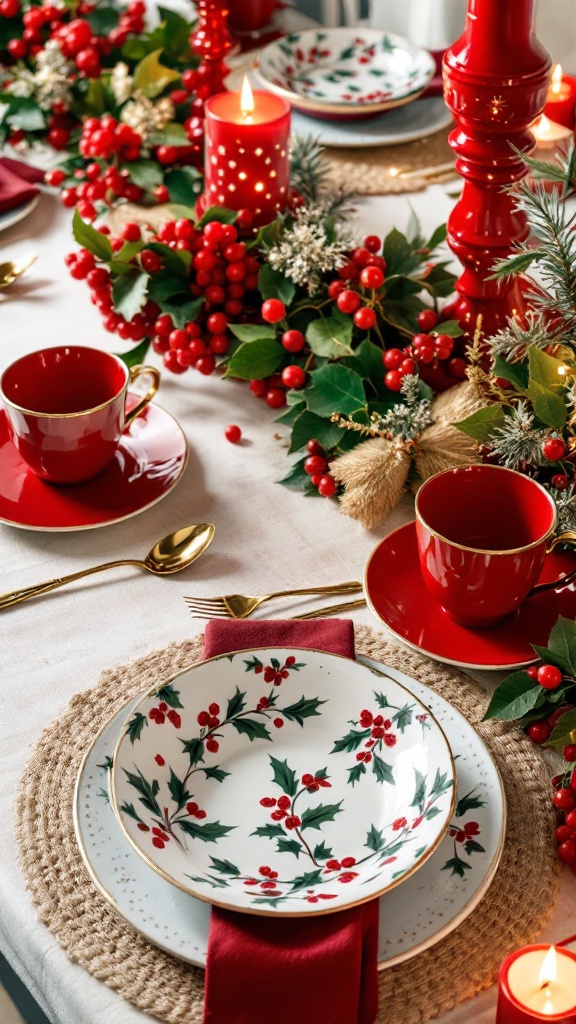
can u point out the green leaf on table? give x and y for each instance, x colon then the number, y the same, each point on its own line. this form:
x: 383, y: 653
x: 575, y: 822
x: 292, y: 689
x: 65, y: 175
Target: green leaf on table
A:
x: 289, y: 417
x: 236, y: 704
x: 382, y: 771
x: 164, y: 286
x: 367, y: 361
x: 268, y: 831
x: 251, y: 728
x: 219, y: 213
x: 170, y: 696
x: 330, y: 336
x: 182, y: 308
x: 284, y: 776
x: 208, y: 833
x: 307, y: 881
x: 297, y: 479
x: 308, y: 425
x: 420, y: 791
x: 289, y: 846
x: 315, y: 817
x: 151, y: 77
x: 183, y: 184
x: 178, y: 790
x: 303, y: 708
x: 402, y: 313
x: 546, y: 370
x: 374, y: 839
x: 516, y: 373
x: 145, y: 173
x: 562, y: 734
x: 249, y: 333
x: 549, y: 407
x: 273, y: 285
x: 135, y: 726
x: 91, y: 239
x: 335, y: 388
x: 561, y: 650
x: 224, y: 866
x: 129, y: 294
x: 255, y: 360
x: 482, y: 423
x: 468, y: 802
x: 515, y: 696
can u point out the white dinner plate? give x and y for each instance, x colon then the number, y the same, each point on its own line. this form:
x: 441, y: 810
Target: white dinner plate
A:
x: 426, y: 908
x: 403, y: 124
x: 10, y: 217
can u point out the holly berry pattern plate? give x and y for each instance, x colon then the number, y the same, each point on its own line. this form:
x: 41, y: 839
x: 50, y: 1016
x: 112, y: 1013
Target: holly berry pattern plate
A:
x: 349, y: 72
x: 424, y: 909
x: 283, y: 782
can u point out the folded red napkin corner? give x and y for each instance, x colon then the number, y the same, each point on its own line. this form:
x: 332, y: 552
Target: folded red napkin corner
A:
x: 17, y: 183
x: 268, y: 970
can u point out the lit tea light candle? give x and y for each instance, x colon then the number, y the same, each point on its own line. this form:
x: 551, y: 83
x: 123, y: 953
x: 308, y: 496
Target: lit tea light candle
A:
x: 537, y: 983
x: 548, y: 134
x: 561, y: 102
x: 246, y: 162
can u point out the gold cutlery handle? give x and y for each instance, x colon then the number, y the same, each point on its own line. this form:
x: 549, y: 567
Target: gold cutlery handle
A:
x: 17, y: 596
x: 333, y: 609
x: 338, y: 588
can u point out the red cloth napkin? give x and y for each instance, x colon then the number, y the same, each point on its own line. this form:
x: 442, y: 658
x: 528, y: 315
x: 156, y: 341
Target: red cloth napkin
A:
x: 266, y: 970
x: 17, y: 183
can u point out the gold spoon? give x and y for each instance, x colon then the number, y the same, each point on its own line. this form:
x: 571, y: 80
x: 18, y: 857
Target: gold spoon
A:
x: 12, y: 269
x: 174, y: 552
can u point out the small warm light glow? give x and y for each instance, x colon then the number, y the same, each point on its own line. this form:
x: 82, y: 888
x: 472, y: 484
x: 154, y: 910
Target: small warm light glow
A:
x: 556, y: 83
x: 259, y: 186
x: 246, y: 101
x: 393, y: 172
x: 549, y: 969
x: 242, y: 175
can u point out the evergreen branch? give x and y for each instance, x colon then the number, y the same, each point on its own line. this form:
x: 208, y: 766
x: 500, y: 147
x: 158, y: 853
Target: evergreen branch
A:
x: 310, y: 177
x: 513, y: 341
x: 563, y: 170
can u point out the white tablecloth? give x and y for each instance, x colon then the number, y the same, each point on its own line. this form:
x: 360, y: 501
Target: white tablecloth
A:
x: 267, y: 537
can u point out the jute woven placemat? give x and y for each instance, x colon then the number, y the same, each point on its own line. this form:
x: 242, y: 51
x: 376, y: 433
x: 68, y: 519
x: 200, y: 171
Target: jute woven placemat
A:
x: 406, y: 167
x: 511, y: 914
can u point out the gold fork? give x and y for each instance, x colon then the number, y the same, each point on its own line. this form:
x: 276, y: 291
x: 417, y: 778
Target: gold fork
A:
x: 333, y: 609
x: 240, y: 606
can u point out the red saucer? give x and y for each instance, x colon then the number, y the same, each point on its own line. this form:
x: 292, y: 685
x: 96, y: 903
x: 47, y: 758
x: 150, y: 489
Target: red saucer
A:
x: 148, y: 463
x: 396, y: 593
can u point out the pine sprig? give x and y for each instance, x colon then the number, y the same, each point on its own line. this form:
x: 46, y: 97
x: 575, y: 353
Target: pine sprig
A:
x: 513, y: 341
x: 310, y: 177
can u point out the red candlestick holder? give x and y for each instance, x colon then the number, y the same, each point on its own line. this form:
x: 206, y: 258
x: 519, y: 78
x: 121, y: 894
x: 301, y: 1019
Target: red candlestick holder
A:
x: 211, y: 41
x: 496, y: 79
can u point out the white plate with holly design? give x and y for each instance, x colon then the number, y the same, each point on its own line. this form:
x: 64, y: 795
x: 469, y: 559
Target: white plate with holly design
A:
x: 344, y: 73
x: 426, y: 908
x: 280, y: 782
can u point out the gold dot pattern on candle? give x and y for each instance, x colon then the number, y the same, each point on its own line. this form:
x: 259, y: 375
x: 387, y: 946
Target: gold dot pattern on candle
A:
x: 258, y: 187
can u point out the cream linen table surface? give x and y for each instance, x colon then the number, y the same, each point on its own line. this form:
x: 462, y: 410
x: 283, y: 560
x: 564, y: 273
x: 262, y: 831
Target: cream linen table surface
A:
x: 267, y: 538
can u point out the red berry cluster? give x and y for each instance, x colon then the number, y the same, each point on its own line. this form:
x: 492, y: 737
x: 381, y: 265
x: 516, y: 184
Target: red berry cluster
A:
x: 159, y: 838
x: 379, y: 733
x: 337, y: 865
x: 209, y: 719
x: 316, y: 466
x: 282, y: 805
x: 193, y: 809
x: 426, y: 349
x: 460, y: 835
x: 274, y: 675
x: 554, y: 449
x: 360, y: 279
x: 162, y: 712
x: 313, y: 783
x: 564, y: 801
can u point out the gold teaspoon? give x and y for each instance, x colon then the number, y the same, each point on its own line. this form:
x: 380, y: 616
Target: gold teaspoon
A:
x: 174, y: 552
x: 12, y: 269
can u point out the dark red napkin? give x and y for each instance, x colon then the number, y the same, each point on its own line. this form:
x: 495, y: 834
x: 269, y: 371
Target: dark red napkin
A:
x: 17, y: 183
x: 266, y: 970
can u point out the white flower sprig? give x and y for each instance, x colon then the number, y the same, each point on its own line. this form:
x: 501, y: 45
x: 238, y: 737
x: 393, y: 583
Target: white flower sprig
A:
x: 311, y: 246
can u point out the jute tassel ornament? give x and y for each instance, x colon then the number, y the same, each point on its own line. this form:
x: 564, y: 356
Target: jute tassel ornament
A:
x: 375, y: 473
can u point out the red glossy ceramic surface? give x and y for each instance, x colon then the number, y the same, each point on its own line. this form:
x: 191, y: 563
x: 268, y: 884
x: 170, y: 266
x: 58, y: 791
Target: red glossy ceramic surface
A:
x: 398, y: 596
x: 147, y: 464
x: 66, y: 410
x: 482, y: 533
x: 495, y: 84
x: 250, y: 16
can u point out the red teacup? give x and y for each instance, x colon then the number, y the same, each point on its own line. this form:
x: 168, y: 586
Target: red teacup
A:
x: 250, y: 15
x: 483, y: 535
x: 66, y: 409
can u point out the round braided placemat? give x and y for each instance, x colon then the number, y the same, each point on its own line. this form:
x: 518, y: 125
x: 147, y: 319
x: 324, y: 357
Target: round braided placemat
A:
x: 511, y: 914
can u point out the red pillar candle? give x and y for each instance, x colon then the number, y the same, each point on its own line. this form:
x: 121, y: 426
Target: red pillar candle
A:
x: 537, y: 983
x: 246, y: 161
x: 561, y: 100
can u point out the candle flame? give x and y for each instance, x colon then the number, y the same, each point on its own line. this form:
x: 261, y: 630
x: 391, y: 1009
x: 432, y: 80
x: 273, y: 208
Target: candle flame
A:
x: 246, y: 100
x: 549, y: 969
x: 556, y: 83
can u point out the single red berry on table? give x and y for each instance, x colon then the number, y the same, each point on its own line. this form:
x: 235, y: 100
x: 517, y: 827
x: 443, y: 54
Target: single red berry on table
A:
x: 554, y: 448
x: 549, y: 677
x: 539, y: 732
x: 278, y: 722
x: 273, y: 311
x: 427, y: 319
x: 233, y: 433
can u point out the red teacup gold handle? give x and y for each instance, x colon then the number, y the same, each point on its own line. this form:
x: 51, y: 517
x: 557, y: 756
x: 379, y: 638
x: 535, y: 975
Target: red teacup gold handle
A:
x: 142, y: 371
x: 567, y: 537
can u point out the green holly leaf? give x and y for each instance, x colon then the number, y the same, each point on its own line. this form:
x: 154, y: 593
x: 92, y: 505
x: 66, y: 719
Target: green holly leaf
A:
x: 220, y: 213
x: 129, y: 294
x: 549, y: 407
x: 471, y: 846
x: 398, y: 254
x: 335, y: 388
x: 252, y: 729
x: 403, y: 717
x: 145, y: 173
x: 514, y: 697
x: 224, y: 866
x: 178, y: 790
x: 269, y: 831
x: 482, y: 423
x: 307, y: 425
x: 256, y: 360
x: 315, y: 817
x: 151, y: 77
x: 146, y: 789
x: 289, y: 846
x: 561, y: 650
x: 303, y: 708
x: 297, y: 479
x: 195, y: 748
x: 176, y: 33
x: 136, y: 355
x: 292, y: 413
x: 381, y: 700
x: 284, y: 776
x: 420, y: 791
x: 129, y: 810
x: 253, y: 332
x: 432, y: 812
x: 322, y: 852
x: 170, y: 696
x: 382, y: 771
x: 330, y: 336
x: 452, y: 328
x: 135, y: 726
x: 307, y: 881
x: 236, y: 704
x: 252, y: 664
x: 367, y: 361
x: 516, y: 373
x: 273, y: 285
x: 562, y: 734
x: 351, y: 741
x: 441, y: 783
x: 176, y: 264
x: 181, y: 308
x: 215, y: 773
x: 456, y: 866
x: 546, y: 370
x: 468, y: 802
x: 183, y: 184
x: 102, y: 20
x: 211, y: 832
x: 24, y: 112
x: 374, y: 839
x: 91, y: 239
x: 356, y: 773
